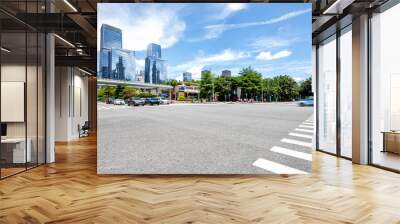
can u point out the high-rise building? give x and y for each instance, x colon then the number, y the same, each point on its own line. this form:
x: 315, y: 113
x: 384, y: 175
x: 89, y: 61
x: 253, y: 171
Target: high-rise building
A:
x: 154, y: 50
x: 155, y: 70
x: 115, y: 62
x: 155, y: 67
x: 226, y: 73
x: 123, y: 66
x: 187, y: 76
x: 110, y: 37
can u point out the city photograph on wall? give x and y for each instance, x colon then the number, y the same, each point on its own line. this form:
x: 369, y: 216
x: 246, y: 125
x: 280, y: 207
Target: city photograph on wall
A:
x: 204, y: 88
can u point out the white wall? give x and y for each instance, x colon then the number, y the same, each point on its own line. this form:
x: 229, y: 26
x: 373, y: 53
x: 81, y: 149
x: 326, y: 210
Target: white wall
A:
x: 71, y: 102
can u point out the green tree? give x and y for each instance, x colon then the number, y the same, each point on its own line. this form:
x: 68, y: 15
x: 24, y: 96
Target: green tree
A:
x: 305, y: 88
x: 270, y: 89
x: 106, y: 92
x: 207, y: 85
x: 250, y: 81
x: 287, y: 88
x: 223, y: 88
x: 129, y: 91
x: 118, y: 93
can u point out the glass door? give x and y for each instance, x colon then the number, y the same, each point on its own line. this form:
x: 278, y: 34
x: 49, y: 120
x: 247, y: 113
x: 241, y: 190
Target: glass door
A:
x: 327, y: 95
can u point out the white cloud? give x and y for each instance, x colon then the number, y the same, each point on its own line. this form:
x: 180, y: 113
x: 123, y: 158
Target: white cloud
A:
x: 200, y: 62
x: 267, y: 55
x: 299, y: 79
x: 272, y: 42
x: 229, y: 9
x: 215, y: 30
x: 143, y: 25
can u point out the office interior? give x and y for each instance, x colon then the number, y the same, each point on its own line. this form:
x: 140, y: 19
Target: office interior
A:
x: 48, y: 79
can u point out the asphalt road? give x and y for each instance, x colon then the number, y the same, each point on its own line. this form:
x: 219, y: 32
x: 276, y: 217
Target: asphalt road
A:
x: 204, y: 139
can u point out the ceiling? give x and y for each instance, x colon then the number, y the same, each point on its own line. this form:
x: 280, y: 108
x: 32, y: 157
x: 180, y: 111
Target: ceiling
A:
x: 75, y: 21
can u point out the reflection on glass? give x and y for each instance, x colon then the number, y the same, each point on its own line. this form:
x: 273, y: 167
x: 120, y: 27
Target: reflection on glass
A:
x: 346, y: 92
x: 14, y: 153
x: 385, y: 84
x: 327, y: 95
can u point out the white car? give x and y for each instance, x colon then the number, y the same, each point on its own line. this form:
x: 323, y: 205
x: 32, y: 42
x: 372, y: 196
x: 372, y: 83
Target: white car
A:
x: 165, y: 101
x: 119, y: 102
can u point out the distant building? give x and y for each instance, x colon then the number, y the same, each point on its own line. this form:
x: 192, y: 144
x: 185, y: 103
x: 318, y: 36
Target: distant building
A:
x: 187, y: 76
x: 155, y: 69
x: 154, y: 50
x: 123, y: 66
x: 110, y: 37
x: 140, y: 76
x: 226, y: 73
x: 115, y: 62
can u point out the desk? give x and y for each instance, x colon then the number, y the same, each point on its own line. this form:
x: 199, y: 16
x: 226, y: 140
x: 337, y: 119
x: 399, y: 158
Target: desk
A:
x: 16, y: 148
x: 391, y: 141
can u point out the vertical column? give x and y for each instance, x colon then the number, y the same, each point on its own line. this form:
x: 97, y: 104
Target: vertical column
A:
x: 50, y: 99
x: 314, y: 90
x: 360, y: 89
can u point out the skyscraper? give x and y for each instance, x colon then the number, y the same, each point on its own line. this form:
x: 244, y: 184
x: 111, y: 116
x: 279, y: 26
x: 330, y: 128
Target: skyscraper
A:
x: 123, y: 66
x: 110, y: 37
x: 187, y: 76
x: 226, y: 73
x: 155, y: 67
x: 154, y: 50
x: 115, y: 62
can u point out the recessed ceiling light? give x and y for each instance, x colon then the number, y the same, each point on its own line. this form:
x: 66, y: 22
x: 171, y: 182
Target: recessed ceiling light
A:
x: 64, y: 40
x: 70, y: 5
x: 5, y: 50
x: 86, y: 72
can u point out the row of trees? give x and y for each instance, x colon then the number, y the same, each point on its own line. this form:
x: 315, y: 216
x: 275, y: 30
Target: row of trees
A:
x: 253, y: 86
x: 249, y: 82
x: 121, y: 92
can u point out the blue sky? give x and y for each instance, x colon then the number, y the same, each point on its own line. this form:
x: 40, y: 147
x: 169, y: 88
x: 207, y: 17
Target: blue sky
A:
x: 274, y: 39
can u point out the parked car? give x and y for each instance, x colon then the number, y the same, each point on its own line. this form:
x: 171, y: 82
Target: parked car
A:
x: 119, y: 102
x: 152, y: 101
x: 307, y: 102
x: 164, y: 101
x: 110, y: 100
x: 135, y: 102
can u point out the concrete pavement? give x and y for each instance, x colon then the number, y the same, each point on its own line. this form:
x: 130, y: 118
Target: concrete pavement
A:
x: 204, y: 139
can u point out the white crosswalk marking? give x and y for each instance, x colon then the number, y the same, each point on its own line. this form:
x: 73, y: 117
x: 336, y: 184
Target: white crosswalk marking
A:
x: 300, y: 135
x: 304, y: 130
x: 306, y: 126
x: 293, y: 153
x: 296, y: 142
x: 276, y: 167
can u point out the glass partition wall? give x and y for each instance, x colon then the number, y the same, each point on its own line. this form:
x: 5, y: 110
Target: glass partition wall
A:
x: 22, y: 77
x: 345, y: 108
x: 334, y: 104
x: 327, y: 95
x: 385, y: 89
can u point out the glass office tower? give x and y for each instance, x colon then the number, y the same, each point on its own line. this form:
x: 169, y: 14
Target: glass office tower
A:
x: 111, y: 37
x: 154, y: 50
x: 155, y: 68
x: 115, y: 62
x: 123, y: 66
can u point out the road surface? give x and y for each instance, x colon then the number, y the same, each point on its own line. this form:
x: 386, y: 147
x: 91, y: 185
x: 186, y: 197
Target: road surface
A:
x: 205, y: 139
